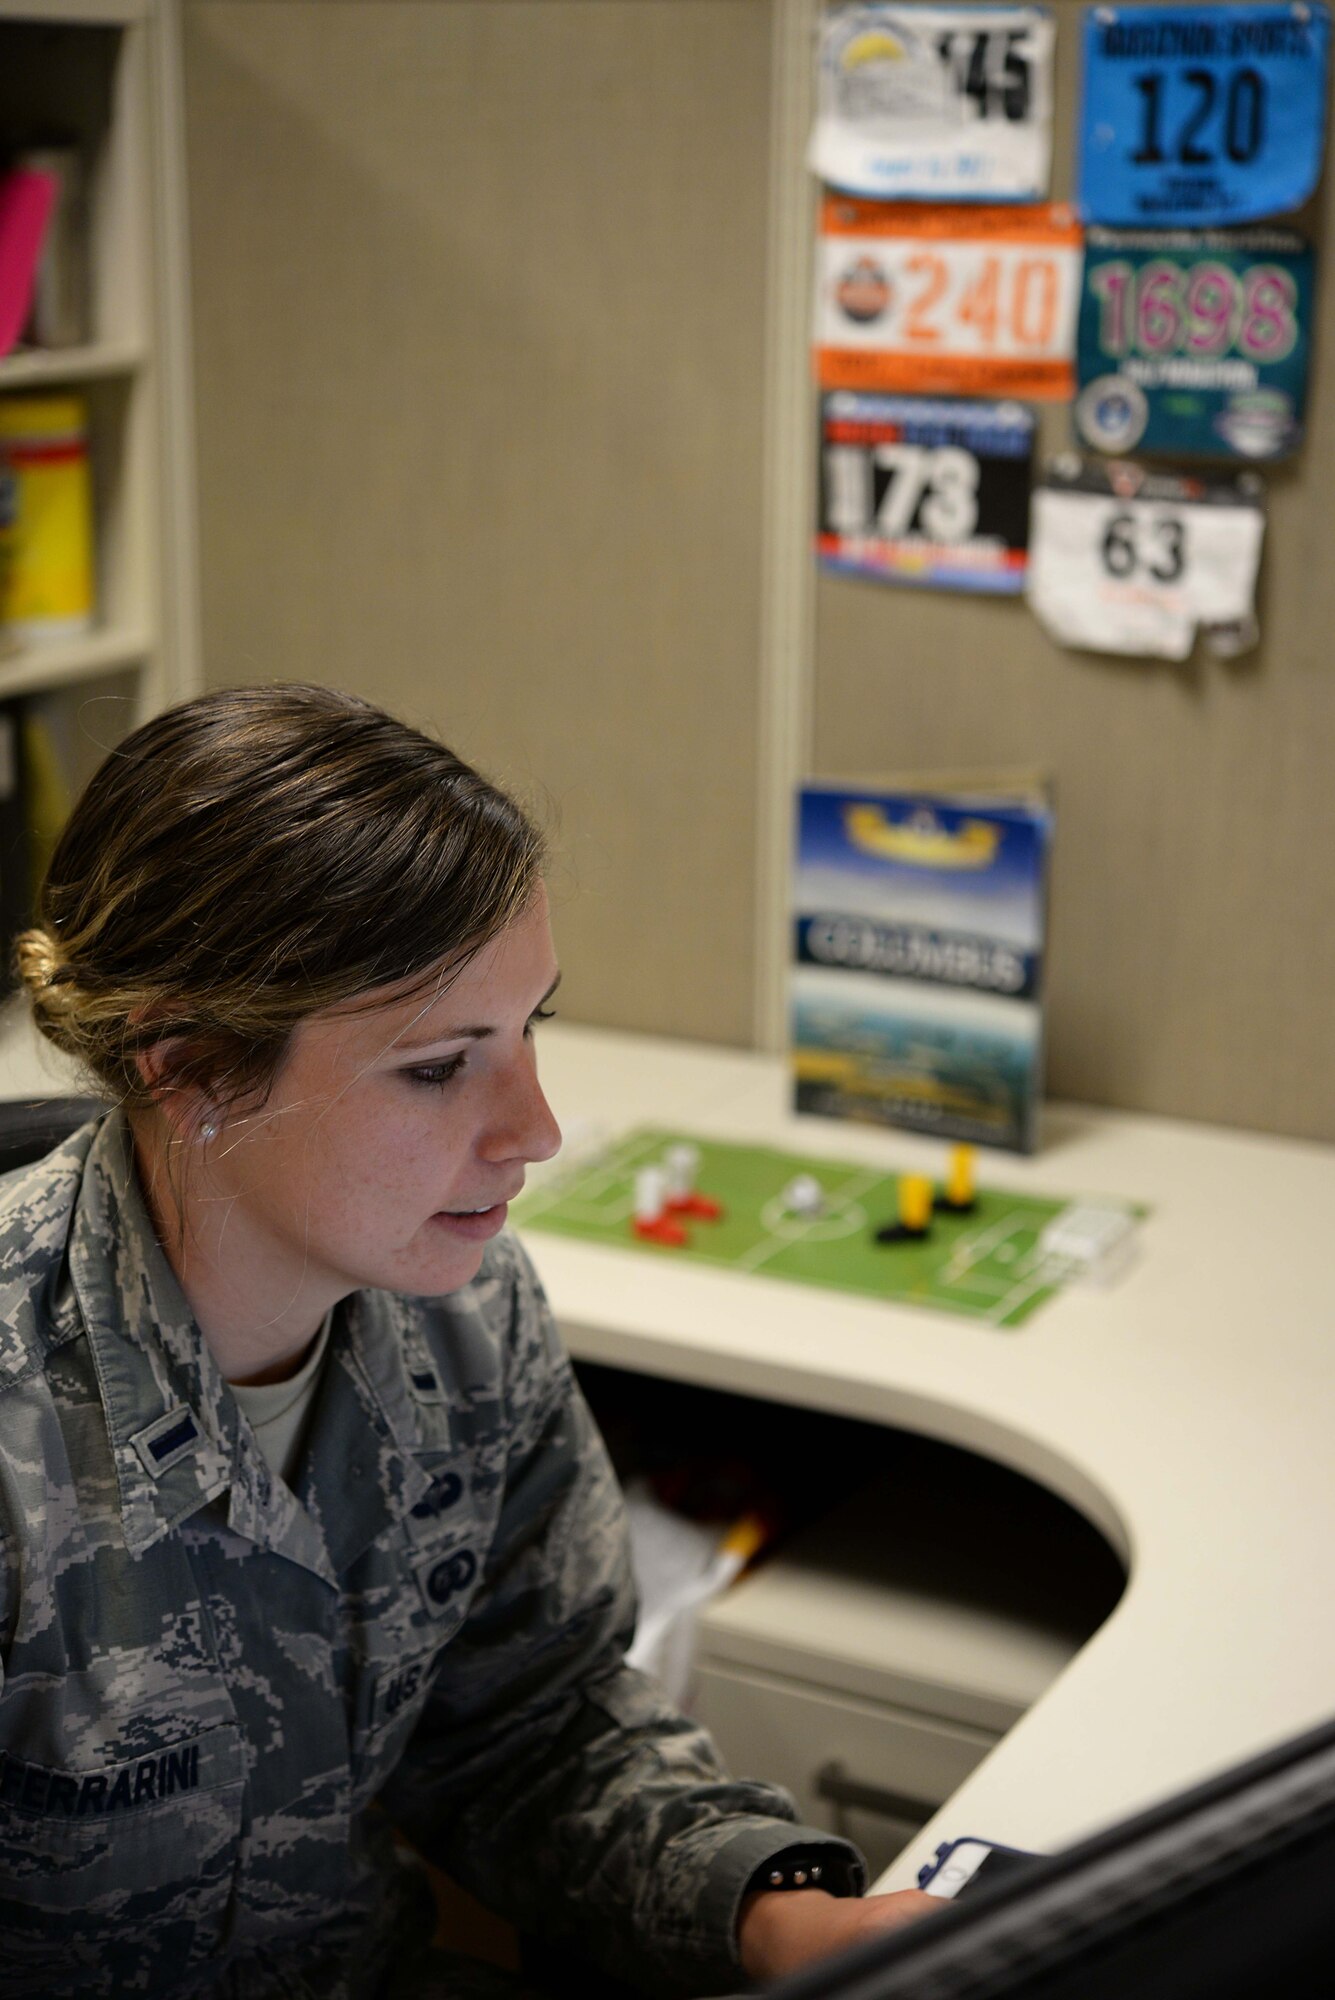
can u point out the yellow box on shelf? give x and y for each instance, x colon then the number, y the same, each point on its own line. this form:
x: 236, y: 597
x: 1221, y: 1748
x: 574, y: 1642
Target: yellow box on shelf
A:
x: 46, y: 518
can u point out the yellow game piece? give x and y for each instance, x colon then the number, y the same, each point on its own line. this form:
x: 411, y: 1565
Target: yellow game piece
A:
x: 745, y: 1538
x: 915, y: 1201
x: 959, y: 1181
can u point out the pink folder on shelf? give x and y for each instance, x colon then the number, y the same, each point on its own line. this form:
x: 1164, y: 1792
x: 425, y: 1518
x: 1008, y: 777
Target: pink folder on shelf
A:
x: 26, y: 201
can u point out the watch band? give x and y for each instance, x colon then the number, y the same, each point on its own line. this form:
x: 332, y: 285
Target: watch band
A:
x: 805, y: 1868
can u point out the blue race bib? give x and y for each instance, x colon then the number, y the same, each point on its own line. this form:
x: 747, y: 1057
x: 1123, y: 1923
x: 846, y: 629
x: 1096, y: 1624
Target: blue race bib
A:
x: 1202, y: 115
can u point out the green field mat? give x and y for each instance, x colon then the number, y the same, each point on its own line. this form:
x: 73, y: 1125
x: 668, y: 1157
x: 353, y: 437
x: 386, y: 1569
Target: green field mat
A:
x: 986, y: 1265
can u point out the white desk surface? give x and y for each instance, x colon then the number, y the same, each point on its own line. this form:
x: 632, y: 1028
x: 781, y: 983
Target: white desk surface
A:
x: 1188, y: 1410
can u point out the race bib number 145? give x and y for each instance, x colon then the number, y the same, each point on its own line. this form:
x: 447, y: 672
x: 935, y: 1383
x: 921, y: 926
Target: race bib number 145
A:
x: 935, y: 103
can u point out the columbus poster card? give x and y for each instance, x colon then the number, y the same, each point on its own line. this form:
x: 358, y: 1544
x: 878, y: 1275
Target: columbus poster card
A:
x: 918, y: 940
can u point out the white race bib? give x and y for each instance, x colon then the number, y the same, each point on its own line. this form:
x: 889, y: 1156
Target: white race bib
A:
x: 1121, y: 561
x: 935, y: 103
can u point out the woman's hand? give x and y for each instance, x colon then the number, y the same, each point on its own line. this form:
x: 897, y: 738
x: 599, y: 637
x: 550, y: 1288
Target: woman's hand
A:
x: 780, y: 1930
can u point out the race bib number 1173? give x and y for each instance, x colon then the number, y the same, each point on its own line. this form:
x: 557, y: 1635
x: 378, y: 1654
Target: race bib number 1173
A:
x: 922, y: 492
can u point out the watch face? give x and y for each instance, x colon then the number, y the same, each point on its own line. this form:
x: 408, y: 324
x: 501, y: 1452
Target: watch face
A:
x: 968, y: 1862
x: 1000, y: 1862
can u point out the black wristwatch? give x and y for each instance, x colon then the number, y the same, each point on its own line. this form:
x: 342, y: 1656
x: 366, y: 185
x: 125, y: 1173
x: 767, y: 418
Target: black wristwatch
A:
x: 807, y: 1868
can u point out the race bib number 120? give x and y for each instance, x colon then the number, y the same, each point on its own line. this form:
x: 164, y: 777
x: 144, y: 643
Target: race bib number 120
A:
x: 946, y: 301
x: 1204, y: 114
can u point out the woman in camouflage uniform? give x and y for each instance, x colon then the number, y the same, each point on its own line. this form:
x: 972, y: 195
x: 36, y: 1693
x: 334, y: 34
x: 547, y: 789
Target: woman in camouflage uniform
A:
x: 307, y: 1534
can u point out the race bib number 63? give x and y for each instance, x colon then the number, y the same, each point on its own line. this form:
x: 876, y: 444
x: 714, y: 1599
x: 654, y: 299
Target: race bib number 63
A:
x: 1123, y: 561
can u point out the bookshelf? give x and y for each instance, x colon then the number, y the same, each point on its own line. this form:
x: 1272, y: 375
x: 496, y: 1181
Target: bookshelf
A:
x: 105, y: 76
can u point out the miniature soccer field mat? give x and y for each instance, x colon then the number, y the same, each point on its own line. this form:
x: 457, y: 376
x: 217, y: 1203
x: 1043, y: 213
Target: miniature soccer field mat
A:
x: 942, y: 1242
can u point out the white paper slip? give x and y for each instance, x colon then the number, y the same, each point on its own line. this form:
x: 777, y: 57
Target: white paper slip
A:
x: 1095, y: 1237
x: 1124, y: 561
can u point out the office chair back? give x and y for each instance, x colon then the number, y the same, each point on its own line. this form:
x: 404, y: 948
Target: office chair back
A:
x: 31, y: 1127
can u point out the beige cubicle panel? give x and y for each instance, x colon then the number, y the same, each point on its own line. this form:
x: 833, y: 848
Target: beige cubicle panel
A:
x: 479, y: 316
x: 482, y: 329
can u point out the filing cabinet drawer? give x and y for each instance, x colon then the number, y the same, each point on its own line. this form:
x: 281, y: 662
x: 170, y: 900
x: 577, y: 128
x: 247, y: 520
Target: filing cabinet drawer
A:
x: 859, y: 1768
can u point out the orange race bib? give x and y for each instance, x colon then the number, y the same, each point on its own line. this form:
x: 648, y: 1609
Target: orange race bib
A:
x: 951, y: 301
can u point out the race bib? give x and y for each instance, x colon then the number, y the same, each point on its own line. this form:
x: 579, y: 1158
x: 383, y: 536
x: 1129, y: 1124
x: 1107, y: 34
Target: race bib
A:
x: 1124, y: 561
x: 922, y: 492
x: 1195, y: 342
x: 1198, y: 115
x: 947, y: 301
x: 935, y: 103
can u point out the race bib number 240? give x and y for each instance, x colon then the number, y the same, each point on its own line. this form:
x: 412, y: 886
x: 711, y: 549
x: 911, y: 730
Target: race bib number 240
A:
x: 946, y: 300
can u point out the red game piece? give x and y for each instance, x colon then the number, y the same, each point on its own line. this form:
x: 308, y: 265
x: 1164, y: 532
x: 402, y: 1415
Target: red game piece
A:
x: 698, y: 1205
x: 682, y: 1163
x: 662, y: 1230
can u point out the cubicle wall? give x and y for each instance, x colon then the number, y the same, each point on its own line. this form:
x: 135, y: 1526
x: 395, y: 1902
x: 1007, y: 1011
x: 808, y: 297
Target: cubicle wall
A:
x: 482, y: 334
x: 479, y: 301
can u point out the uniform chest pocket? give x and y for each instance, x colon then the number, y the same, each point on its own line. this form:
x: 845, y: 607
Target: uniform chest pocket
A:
x: 111, y: 1870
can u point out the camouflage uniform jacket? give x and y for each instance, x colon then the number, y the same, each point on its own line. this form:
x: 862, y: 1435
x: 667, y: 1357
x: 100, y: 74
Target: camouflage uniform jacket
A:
x: 218, y: 1695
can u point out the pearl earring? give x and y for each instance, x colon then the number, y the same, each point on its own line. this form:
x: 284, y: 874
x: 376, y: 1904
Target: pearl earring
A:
x: 208, y: 1130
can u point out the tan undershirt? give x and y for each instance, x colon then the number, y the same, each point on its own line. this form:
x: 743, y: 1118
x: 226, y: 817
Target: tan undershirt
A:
x: 277, y: 1411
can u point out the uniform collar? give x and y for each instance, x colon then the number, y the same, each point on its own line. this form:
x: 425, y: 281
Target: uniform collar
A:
x: 178, y: 1437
